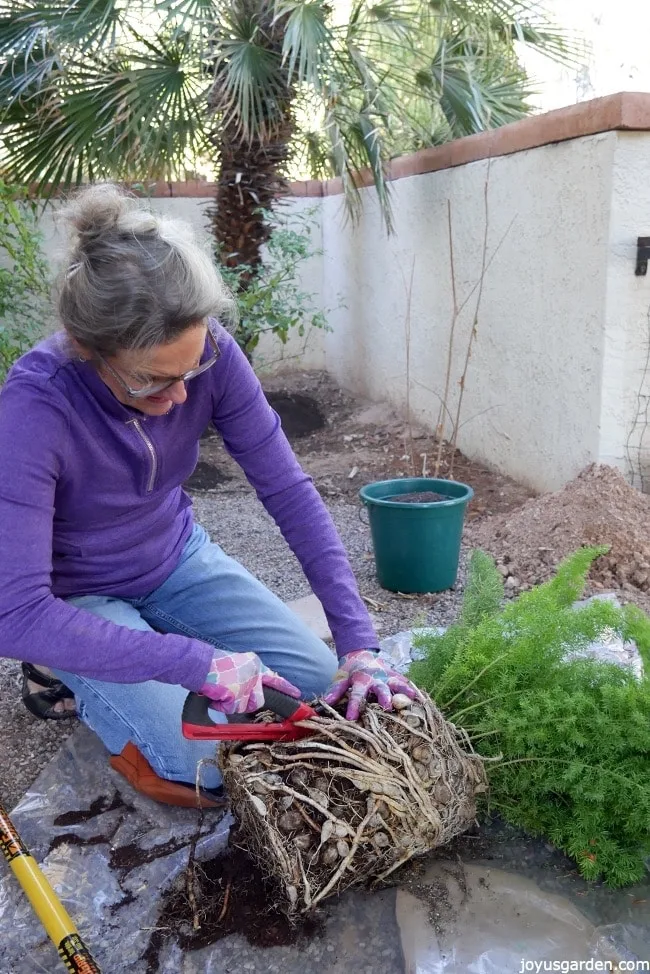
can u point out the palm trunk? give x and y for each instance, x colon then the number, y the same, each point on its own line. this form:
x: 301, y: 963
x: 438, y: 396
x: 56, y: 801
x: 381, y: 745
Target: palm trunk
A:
x: 251, y: 178
x: 252, y: 166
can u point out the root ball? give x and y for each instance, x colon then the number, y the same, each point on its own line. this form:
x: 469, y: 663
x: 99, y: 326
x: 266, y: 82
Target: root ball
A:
x: 354, y: 801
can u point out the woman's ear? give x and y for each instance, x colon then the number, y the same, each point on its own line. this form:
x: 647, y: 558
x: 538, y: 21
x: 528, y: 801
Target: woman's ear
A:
x: 83, y: 354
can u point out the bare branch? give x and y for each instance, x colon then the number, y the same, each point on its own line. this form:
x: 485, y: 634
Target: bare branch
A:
x: 407, y: 337
x: 440, y: 428
x: 433, y: 392
x: 489, y: 263
x: 641, y: 420
x: 473, y: 331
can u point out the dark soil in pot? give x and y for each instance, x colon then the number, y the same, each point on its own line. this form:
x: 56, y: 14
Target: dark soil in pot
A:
x: 418, y: 497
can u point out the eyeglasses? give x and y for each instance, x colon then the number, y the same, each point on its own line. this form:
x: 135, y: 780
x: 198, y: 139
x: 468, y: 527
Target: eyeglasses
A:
x: 153, y: 388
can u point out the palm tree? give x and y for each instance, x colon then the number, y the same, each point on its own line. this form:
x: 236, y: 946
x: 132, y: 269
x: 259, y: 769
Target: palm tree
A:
x: 115, y: 89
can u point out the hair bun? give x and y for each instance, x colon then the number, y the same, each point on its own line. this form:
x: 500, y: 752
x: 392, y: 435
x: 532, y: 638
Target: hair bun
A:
x: 104, y: 208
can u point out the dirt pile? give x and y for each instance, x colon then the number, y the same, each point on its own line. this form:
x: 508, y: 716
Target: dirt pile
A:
x: 230, y: 896
x: 598, y: 508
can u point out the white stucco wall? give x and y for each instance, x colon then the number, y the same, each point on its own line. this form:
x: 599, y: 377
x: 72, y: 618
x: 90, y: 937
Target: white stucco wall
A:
x: 625, y: 417
x: 533, y: 393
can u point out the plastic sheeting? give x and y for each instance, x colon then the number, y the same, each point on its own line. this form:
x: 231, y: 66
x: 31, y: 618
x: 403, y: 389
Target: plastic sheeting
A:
x: 80, y: 872
x: 399, y: 649
x: 490, y: 921
x: 610, y: 648
x: 477, y: 918
x: 115, y: 907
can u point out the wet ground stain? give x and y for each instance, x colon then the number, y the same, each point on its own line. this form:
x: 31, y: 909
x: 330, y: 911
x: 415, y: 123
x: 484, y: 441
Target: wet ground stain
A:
x: 126, y: 900
x: 79, y: 816
x: 70, y: 838
x: 127, y: 857
x: 98, y: 807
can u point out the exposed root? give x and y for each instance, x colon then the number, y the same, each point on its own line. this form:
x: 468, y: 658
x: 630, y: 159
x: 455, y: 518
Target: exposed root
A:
x: 355, y: 801
x: 226, y: 897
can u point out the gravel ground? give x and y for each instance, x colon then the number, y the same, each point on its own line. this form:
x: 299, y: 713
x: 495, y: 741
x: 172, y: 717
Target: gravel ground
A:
x: 26, y: 744
x: 244, y: 530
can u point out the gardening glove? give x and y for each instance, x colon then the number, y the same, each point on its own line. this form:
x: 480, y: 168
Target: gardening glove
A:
x: 235, y: 683
x: 361, y: 673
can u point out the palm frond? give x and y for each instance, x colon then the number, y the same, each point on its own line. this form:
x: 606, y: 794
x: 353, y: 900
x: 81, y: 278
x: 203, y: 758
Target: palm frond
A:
x: 83, y: 22
x: 189, y: 12
x: 140, y: 112
x: 364, y: 77
x: 250, y: 86
x: 525, y: 21
x: 356, y: 144
x: 342, y: 164
x: 22, y: 77
x: 38, y: 40
x: 59, y: 146
x: 475, y: 90
x: 307, y: 39
x: 365, y: 144
x: 161, y: 102
x: 311, y: 153
x: 389, y: 17
x: 505, y: 94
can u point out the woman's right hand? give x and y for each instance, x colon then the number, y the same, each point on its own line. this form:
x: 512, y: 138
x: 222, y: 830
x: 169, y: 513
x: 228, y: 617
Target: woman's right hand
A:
x: 235, y: 683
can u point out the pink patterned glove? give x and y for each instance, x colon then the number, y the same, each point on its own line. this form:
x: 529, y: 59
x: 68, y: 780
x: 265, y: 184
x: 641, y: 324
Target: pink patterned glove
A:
x: 362, y: 673
x: 236, y: 681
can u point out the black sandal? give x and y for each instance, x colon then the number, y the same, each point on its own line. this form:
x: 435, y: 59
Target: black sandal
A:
x: 41, y: 704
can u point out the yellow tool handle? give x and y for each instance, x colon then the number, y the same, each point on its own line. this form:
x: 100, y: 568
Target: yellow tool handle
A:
x: 45, y: 903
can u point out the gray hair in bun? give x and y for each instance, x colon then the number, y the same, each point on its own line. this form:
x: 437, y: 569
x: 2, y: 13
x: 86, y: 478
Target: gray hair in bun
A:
x: 133, y: 279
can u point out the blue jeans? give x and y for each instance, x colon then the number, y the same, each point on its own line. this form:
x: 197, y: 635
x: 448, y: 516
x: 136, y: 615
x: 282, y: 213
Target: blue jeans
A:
x: 211, y: 597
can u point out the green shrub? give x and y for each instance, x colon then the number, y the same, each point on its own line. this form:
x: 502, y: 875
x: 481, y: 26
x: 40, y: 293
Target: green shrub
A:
x: 24, y: 276
x: 567, y: 739
x: 270, y: 298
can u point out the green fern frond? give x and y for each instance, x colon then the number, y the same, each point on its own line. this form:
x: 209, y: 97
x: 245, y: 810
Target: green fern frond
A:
x: 571, y: 576
x: 484, y: 590
x: 572, y: 733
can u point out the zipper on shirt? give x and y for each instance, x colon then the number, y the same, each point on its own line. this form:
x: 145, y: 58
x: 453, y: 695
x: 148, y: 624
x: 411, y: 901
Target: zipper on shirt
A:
x: 150, y: 449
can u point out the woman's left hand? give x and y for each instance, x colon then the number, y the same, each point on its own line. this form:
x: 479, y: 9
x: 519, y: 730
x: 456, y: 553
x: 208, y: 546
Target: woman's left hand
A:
x: 363, y: 673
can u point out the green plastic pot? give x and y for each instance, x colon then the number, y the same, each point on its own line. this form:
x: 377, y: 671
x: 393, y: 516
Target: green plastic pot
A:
x: 417, y: 546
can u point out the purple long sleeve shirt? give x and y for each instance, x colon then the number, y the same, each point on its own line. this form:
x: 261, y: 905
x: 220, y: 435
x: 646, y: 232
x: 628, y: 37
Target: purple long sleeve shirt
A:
x: 91, y: 503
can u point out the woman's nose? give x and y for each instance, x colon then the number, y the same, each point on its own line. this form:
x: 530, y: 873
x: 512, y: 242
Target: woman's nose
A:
x: 177, y: 393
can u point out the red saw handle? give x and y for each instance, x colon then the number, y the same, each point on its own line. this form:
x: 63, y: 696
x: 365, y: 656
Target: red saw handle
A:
x: 198, y: 725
